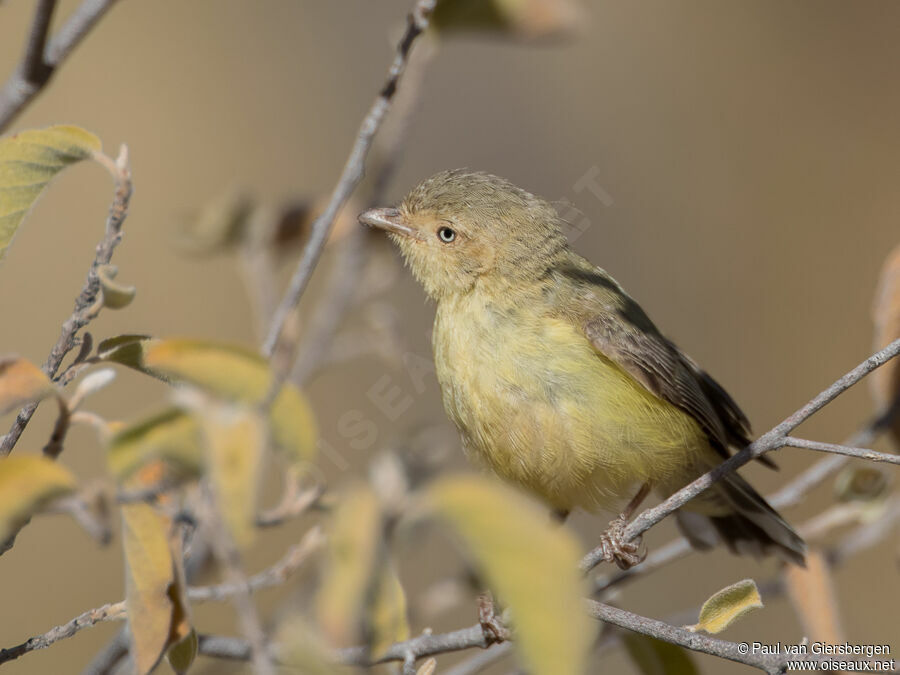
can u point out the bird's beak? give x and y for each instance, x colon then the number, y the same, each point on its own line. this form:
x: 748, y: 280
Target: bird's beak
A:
x: 389, y: 220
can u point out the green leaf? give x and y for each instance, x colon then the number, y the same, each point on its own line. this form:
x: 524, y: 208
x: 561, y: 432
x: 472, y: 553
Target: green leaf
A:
x: 21, y: 383
x: 181, y: 654
x: 230, y: 372
x: 28, y: 161
x: 173, y: 436
x: 27, y: 483
x: 350, y: 565
x: 656, y: 657
x: 236, y: 439
x: 531, y: 563
x: 727, y: 606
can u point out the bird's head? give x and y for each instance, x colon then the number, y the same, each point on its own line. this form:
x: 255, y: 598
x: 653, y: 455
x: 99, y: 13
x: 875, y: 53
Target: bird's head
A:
x: 460, y: 226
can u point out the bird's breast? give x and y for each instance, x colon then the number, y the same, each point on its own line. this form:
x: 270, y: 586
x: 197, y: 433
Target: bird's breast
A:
x: 537, y: 404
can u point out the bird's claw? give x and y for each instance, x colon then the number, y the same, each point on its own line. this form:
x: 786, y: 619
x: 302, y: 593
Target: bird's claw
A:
x: 616, y: 549
x: 491, y: 624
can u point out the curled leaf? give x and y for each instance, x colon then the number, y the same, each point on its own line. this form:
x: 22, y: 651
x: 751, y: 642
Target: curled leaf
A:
x: 28, y: 161
x: 229, y: 372
x: 27, y: 483
x: 114, y: 296
x: 21, y: 383
x: 531, y: 564
x: 727, y: 606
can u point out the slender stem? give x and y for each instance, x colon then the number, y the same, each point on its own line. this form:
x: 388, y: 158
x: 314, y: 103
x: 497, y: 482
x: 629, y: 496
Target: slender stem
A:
x: 85, y: 309
x: 350, y: 177
x: 771, y: 440
x: 846, y: 450
x: 34, y: 69
x: 41, y: 60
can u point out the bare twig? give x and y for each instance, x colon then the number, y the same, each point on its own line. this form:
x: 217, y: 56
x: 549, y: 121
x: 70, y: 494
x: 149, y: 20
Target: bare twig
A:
x: 41, y: 61
x: 85, y: 303
x: 273, y: 576
x: 846, y: 450
x: 113, y: 612
x: 342, y: 286
x: 350, y: 177
x: 34, y: 69
x: 771, y: 440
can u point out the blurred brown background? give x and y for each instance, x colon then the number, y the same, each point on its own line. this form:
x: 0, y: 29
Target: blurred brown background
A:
x: 750, y: 148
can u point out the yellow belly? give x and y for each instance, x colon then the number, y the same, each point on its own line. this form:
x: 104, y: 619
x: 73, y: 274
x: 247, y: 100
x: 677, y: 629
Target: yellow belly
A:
x: 540, y: 407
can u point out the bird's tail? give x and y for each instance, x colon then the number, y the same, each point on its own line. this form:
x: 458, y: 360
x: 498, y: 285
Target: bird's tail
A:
x: 733, y: 512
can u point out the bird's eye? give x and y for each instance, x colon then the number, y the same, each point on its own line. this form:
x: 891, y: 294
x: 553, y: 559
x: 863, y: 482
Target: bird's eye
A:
x: 446, y: 235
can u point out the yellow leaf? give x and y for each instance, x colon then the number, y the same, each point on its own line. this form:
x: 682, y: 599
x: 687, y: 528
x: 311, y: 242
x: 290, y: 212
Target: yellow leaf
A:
x: 27, y: 483
x: 349, y: 565
x: 886, y: 380
x: 173, y: 436
x: 229, y: 372
x: 28, y: 161
x: 235, y: 442
x: 387, y: 613
x: 531, y: 563
x: 21, y: 383
x: 153, y: 600
x: 727, y: 606
x: 656, y: 657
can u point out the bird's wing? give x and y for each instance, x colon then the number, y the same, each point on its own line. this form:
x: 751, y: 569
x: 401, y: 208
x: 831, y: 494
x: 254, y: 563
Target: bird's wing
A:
x: 619, y: 329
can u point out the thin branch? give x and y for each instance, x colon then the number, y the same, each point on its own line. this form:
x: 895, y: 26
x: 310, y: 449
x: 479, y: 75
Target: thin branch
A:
x: 273, y: 576
x: 39, y: 61
x: 846, y: 450
x: 34, y: 70
x: 342, y: 287
x: 771, y: 440
x: 86, y: 302
x: 112, y: 612
x: 350, y: 177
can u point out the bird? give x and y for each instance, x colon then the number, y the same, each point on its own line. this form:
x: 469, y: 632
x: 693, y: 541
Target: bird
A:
x: 559, y: 382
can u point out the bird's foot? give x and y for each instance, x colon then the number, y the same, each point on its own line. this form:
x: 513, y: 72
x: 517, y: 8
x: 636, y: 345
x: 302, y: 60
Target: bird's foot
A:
x: 616, y: 549
x: 491, y: 624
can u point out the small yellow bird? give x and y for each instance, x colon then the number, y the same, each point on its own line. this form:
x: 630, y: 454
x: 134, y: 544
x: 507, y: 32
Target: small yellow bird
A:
x: 558, y: 381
